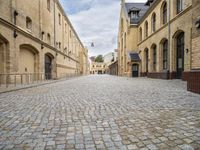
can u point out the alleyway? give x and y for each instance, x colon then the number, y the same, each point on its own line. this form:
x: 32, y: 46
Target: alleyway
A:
x: 101, y: 112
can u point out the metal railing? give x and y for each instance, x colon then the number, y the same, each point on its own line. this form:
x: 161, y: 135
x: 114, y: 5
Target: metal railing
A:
x: 17, y: 80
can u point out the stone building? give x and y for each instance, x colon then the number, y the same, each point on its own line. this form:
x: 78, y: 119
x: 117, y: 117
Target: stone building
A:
x: 36, y: 37
x: 109, y: 58
x: 98, y: 68
x: 154, y: 39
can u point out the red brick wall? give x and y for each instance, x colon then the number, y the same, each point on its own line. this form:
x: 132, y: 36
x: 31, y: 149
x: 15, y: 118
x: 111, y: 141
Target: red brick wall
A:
x: 194, y: 81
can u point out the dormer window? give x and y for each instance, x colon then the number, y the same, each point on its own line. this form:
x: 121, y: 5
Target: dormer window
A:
x: 134, y: 15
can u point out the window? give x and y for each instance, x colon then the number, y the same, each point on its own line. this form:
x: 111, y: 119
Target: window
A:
x: 179, y: 4
x: 59, y: 45
x: 134, y: 15
x: 48, y: 5
x: 165, y: 13
x: 154, y: 58
x: 49, y: 38
x: 165, y: 54
x: 154, y: 22
x: 146, y: 29
x: 59, y: 17
x: 140, y: 34
x: 65, y: 28
x: 125, y: 40
x: 70, y: 34
x: 28, y: 23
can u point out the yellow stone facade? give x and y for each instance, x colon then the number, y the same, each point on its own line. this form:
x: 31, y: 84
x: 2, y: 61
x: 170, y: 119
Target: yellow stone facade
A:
x: 37, y: 37
x: 149, y: 34
x: 97, y: 68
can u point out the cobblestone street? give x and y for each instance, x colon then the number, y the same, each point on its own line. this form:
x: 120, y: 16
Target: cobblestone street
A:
x: 101, y: 112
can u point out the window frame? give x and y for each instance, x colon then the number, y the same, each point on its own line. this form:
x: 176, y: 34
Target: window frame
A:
x: 146, y: 29
x: 49, y: 5
x: 28, y: 23
x: 164, y: 13
x: 154, y: 57
x: 165, y: 55
x: 49, y: 38
x: 179, y: 6
x: 140, y: 33
x: 154, y: 22
x: 59, y: 18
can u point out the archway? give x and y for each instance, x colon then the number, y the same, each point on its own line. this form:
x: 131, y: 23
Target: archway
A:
x: 28, y: 59
x: 48, y: 66
x: 3, y: 54
x: 180, y: 44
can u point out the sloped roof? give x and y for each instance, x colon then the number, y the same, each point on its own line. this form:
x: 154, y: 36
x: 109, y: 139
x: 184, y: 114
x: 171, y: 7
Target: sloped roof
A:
x: 139, y: 6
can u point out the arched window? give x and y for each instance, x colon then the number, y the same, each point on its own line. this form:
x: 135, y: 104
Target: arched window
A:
x: 48, y: 5
x: 28, y: 23
x: 154, y: 22
x: 49, y: 38
x: 179, y: 5
x: 140, y: 34
x: 165, y: 54
x: 154, y: 57
x: 146, y: 29
x: 124, y: 40
x: 164, y: 13
x: 59, y: 18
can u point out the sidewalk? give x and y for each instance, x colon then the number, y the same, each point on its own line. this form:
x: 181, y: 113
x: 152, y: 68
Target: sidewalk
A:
x: 11, y: 88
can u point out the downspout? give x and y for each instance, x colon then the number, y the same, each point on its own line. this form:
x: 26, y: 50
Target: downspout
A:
x: 55, y: 61
x: 169, y: 42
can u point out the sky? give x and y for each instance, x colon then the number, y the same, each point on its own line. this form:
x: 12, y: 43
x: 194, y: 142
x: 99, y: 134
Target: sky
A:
x: 95, y: 21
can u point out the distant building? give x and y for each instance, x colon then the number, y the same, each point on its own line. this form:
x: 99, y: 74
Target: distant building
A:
x: 109, y: 59
x: 98, y: 68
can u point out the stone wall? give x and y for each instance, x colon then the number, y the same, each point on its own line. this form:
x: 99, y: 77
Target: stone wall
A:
x: 49, y: 32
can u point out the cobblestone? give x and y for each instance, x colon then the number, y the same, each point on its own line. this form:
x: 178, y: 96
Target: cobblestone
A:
x: 101, y: 112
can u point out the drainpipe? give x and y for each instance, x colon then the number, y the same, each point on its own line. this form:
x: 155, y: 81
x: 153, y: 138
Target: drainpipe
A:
x: 55, y: 59
x: 169, y: 36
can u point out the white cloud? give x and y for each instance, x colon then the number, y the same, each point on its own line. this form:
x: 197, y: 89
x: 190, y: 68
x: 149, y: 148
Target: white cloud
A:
x: 98, y: 24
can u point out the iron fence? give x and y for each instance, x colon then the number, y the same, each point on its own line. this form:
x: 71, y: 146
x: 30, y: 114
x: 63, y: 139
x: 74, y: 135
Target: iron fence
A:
x: 14, y: 80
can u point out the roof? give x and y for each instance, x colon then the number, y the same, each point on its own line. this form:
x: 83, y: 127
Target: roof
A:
x: 135, y: 57
x: 136, y: 6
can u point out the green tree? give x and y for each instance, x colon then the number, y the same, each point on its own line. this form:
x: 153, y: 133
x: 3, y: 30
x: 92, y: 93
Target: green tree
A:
x: 99, y: 58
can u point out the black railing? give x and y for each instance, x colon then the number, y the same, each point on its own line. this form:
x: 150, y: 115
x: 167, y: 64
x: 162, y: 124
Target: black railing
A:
x: 17, y: 80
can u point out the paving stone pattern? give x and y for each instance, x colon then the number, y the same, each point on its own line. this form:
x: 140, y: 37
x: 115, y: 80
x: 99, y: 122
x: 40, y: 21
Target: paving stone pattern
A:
x: 101, y: 112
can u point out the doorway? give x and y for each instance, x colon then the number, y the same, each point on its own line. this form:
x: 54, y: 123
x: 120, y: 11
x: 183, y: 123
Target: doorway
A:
x: 180, y: 55
x: 48, y: 67
x: 135, y: 70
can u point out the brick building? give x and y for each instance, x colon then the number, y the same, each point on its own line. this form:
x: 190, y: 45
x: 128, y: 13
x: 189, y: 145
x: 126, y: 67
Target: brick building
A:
x: 194, y: 74
x: 154, y: 30
x: 157, y: 40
